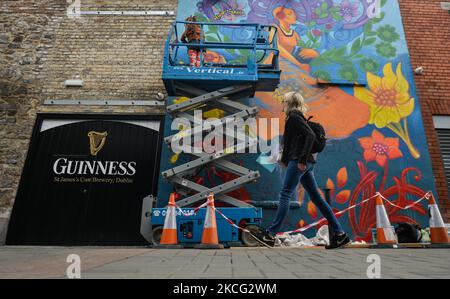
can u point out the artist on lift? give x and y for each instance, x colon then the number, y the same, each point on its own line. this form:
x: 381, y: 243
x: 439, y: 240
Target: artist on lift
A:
x: 192, y: 35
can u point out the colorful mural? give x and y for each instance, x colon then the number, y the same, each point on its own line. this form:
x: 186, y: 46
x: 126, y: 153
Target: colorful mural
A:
x: 350, y: 61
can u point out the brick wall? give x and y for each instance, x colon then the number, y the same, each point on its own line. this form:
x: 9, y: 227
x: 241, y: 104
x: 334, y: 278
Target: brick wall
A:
x: 427, y: 29
x: 118, y: 57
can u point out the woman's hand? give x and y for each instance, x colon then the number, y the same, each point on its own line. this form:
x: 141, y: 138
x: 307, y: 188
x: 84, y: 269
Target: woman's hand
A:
x: 301, y: 166
x: 308, y: 53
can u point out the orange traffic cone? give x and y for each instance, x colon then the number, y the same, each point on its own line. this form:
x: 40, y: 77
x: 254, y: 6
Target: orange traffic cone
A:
x: 210, y: 238
x: 169, y: 239
x: 385, y: 232
x: 438, y: 231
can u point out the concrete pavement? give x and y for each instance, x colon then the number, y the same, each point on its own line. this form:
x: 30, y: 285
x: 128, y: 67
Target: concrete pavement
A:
x: 51, y: 262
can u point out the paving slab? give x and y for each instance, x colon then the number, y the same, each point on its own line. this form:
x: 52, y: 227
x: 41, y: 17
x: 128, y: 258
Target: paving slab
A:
x: 244, y: 263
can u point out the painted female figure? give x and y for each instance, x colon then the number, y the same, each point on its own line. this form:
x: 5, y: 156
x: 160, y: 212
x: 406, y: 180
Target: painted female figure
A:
x: 330, y: 105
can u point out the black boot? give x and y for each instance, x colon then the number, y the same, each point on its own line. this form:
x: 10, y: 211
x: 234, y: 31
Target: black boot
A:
x: 338, y: 240
x: 264, y: 237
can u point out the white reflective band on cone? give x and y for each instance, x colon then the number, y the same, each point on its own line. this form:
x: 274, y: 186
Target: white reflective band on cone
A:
x: 210, y: 213
x: 170, y: 221
x: 435, y: 217
x: 389, y: 234
x: 382, y: 219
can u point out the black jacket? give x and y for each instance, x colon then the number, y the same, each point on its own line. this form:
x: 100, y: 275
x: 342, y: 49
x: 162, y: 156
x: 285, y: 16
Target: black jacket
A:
x: 298, y: 139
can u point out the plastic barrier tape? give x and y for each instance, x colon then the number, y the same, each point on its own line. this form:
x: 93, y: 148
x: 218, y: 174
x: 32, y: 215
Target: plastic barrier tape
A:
x: 305, y: 228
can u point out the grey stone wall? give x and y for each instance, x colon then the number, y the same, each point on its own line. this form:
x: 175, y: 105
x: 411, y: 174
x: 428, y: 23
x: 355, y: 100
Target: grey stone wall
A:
x: 118, y: 57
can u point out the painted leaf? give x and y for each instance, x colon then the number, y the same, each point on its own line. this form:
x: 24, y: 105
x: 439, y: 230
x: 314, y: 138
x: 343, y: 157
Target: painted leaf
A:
x: 330, y: 184
x: 356, y: 46
x: 343, y: 196
x: 368, y: 28
x: 312, y: 210
x: 301, y: 223
x: 370, y: 41
x: 342, y: 177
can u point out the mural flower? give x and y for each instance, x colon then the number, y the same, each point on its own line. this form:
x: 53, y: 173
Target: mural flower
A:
x: 388, y: 33
x: 380, y: 149
x: 386, y: 50
x: 349, y: 10
x: 390, y: 103
x: 369, y: 65
x: 348, y: 73
x: 316, y: 32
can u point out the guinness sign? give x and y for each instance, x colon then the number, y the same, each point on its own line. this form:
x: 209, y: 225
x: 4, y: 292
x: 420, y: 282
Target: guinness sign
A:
x: 84, y: 181
x: 97, y: 140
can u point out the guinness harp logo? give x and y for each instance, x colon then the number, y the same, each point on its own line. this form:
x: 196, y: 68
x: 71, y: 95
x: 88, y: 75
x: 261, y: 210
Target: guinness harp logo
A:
x: 96, y: 141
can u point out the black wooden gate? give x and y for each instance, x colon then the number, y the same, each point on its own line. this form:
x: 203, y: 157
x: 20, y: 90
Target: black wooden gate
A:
x: 84, y: 180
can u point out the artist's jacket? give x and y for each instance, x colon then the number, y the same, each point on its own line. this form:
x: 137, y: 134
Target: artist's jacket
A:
x: 298, y: 139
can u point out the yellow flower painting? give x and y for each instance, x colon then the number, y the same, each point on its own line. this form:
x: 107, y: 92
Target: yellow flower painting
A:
x: 390, y: 102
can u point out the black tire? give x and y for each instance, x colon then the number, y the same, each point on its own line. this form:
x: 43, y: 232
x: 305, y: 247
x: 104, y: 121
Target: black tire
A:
x: 247, y: 239
x: 156, y: 234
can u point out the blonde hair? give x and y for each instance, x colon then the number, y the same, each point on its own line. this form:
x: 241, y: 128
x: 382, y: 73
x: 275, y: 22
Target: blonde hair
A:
x: 294, y: 101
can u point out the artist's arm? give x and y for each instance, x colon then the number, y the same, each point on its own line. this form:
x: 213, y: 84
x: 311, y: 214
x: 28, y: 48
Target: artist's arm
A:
x: 305, y: 53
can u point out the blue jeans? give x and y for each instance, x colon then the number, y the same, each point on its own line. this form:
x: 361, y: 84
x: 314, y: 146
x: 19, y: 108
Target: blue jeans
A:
x: 291, y: 179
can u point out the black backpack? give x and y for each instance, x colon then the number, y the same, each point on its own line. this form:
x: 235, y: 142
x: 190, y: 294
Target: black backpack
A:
x: 320, y: 141
x: 408, y: 233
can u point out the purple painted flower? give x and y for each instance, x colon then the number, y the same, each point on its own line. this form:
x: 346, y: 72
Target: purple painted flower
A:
x: 349, y: 10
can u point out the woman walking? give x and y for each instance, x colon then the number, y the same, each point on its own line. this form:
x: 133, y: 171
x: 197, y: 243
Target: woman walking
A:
x: 298, y: 142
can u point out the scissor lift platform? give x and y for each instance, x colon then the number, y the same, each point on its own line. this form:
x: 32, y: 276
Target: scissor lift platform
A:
x: 224, y: 86
x: 261, y: 68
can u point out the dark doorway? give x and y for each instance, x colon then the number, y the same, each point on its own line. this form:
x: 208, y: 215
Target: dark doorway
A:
x: 84, y: 180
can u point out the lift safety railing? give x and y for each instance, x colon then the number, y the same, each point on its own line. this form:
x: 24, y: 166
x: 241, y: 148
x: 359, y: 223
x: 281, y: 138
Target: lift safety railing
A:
x: 260, y: 43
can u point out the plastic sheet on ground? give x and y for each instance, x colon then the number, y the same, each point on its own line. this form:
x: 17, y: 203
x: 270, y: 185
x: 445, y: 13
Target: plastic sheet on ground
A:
x: 299, y: 240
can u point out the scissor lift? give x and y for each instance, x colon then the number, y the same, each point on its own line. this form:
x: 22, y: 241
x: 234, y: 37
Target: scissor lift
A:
x: 224, y: 86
